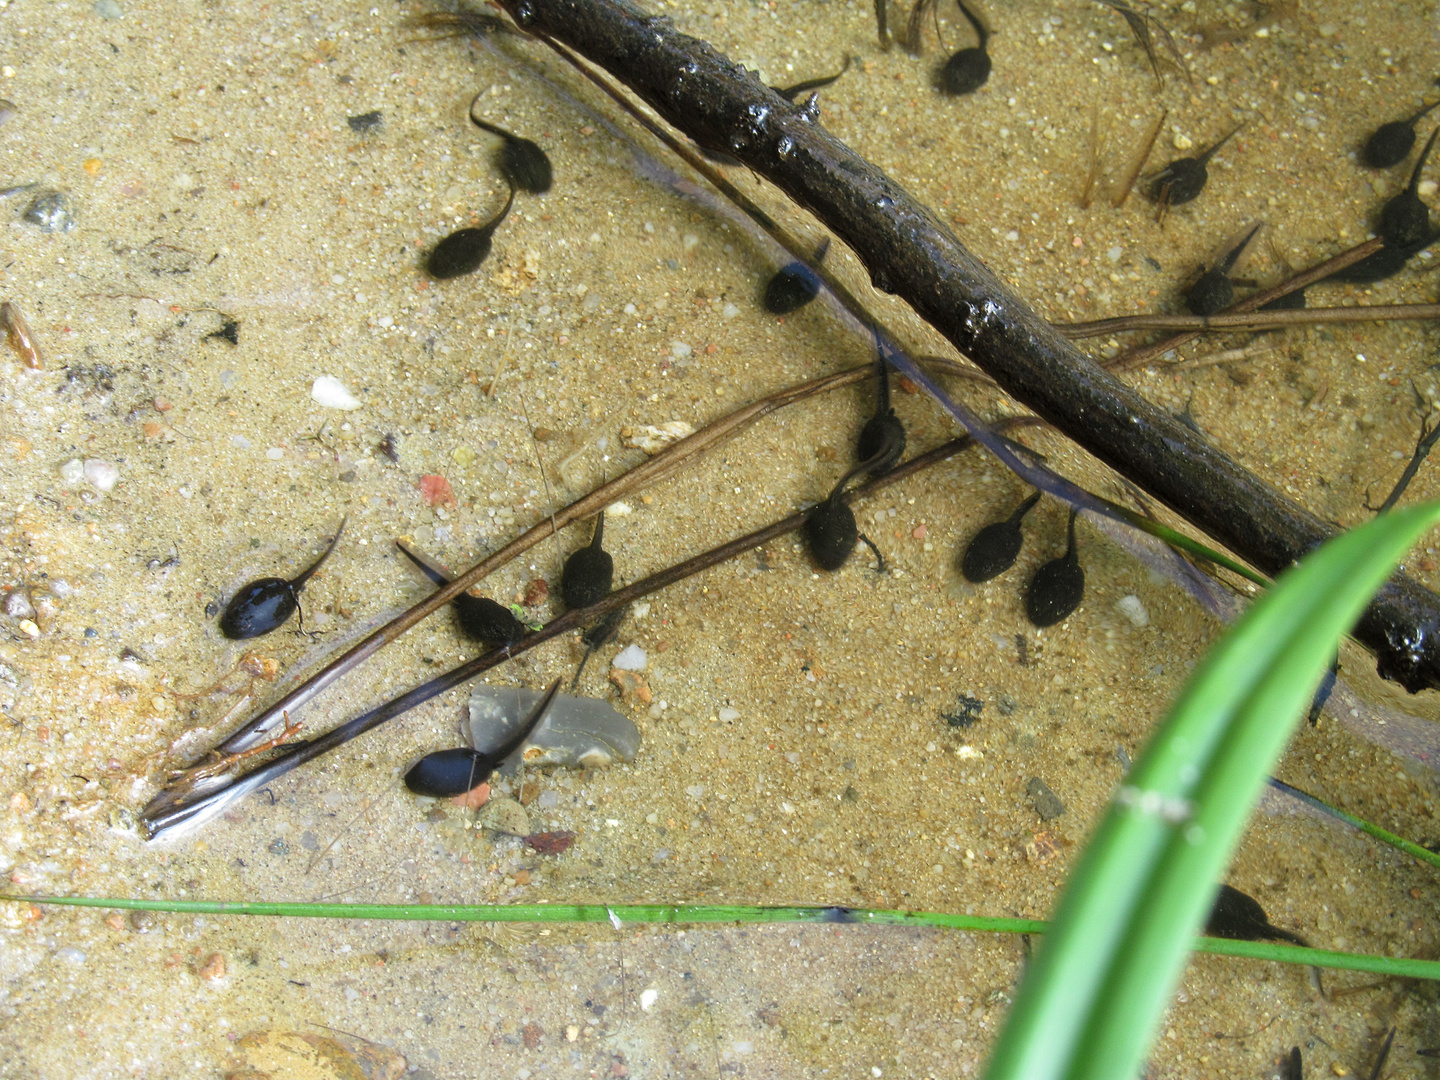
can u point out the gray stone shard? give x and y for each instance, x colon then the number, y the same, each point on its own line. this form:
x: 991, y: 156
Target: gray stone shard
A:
x: 578, y: 732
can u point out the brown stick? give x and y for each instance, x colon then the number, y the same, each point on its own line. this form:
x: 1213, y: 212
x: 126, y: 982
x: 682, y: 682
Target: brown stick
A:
x: 1260, y: 320
x: 909, y: 252
x: 1143, y: 354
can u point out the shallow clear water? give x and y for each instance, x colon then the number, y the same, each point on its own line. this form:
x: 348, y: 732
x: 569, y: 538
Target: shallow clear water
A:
x: 211, y: 172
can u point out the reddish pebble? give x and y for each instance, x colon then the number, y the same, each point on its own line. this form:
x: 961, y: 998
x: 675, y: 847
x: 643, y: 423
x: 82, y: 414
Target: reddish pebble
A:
x: 522, y: 877
x: 551, y: 843
x: 213, y: 968
x: 920, y: 532
x: 536, y: 591
x: 531, y: 1034
x: 435, y: 490
x: 908, y: 385
x: 162, y: 405
x: 473, y: 799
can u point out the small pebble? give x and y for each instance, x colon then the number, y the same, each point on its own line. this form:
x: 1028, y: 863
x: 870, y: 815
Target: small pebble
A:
x: 1131, y: 607
x: 50, y: 212
x: 505, y: 816
x: 365, y: 122
x: 653, y: 439
x: 633, y: 689
x: 102, y: 474
x: 108, y: 9
x: 648, y: 999
x: 630, y: 658
x: 72, y: 472
x: 213, y: 968
x: 28, y: 628
x: 728, y: 715
x: 331, y: 393
x: 18, y: 606
x: 1047, y: 804
x: 70, y: 953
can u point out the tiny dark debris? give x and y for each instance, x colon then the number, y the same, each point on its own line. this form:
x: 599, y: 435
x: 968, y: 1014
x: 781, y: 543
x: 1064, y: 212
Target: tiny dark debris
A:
x: 279, y: 846
x: 966, y: 713
x: 365, y: 122
x: 229, y: 330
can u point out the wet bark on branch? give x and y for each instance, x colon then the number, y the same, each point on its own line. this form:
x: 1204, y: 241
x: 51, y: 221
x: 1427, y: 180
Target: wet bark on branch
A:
x: 911, y: 253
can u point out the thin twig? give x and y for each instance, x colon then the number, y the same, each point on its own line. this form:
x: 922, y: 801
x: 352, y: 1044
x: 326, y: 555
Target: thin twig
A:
x: 159, y: 819
x: 1244, y: 320
x: 1143, y: 354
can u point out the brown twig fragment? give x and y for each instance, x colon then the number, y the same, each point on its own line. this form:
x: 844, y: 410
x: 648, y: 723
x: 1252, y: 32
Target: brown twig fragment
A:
x: 1240, y: 320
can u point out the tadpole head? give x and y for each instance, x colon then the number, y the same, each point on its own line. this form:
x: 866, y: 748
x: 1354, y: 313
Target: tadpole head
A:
x: 460, y: 253
x: 831, y: 533
x: 526, y: 165
x: 448, y: 772
x: 263, y: 605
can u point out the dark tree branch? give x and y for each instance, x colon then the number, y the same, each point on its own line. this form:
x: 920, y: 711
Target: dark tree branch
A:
x: 909, y: 252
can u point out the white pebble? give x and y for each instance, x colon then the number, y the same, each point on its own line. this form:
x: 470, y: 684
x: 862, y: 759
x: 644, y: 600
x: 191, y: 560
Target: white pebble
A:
x: 28, y: 628
x: 72, y: 472
x: 630, y: 658
x: 648, y: 998
x: 680, y: 350
x: 103, y: 474
x: 729, y: 311
x: 332, y: 394
x: 1131, y: 607
x: 274, y: 453
x: 729, y: 715
x: 240, y: 442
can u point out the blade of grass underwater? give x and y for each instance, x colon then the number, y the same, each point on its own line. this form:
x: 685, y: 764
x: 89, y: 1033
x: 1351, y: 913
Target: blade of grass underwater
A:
x: 699, y: 914
x: 1087, y: 1006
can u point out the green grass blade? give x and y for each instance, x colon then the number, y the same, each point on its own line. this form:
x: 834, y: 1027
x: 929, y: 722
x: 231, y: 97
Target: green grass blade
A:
x: 1089, y: 1003
x: 697, y: 914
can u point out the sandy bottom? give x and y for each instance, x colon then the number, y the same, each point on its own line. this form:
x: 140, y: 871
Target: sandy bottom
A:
x: 795, y: 744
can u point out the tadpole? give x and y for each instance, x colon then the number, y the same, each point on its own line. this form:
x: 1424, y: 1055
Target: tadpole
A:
x: 464, y: 250
x: 996, y: 547
x: 1241, y: 918
x: 1214, y: 291
x: 1405, y: 219
x: 790, y: 93
x: 589, y: 571
x: 968, y: 69
x: 266, y: 603
x: 454, y: 772
x: 521, y: 161
x: 830, y: 530
x: 1184, y: 178
x: 882, y: 439
x: 1293, y: 1068
x: 1057, y: 587
x: 480, y: 617
x: 1390, y: 143
x: 795, y: 284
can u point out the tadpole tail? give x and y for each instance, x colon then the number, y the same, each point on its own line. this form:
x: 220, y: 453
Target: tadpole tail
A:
x: 428, y: 566
x: 526, y: 729
x: 494, y: 223
x: 1024, y: 508
x: 298, y: 583
x: 485, y: 125
x: 792, y: 92
x: 597, y: 540
x: 980, y: 31
x: 1414, y: 184
x: 1205, y: 157
x: 1233, y: 255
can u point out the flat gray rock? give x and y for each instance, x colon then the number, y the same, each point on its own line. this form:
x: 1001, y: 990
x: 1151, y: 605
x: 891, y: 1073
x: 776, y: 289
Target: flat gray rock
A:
x: 578, y: 732
x: 1047, y: 804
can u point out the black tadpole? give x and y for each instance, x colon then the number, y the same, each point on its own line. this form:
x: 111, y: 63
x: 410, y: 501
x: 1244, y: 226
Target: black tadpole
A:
x: 464, y: 250
x: 480, y: 617
x: 790, y: 93
x: 1389, y: 143
x: 1238, y: 917
x: 589, y: 572
x: 882, y: 439
x: 1184, y: 178
x: 831, y: 531
x: 1292, y: 1068
x: 1057, y: 587
x: 995, y: 547
x: 266, y: 603
x: 794, y: 285
x: 1405, y: 219
x: 1379, y: 265
x: 454, y: 772
x: 968, y: 69
x: 521, y: 161
x: 1214, y: 292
